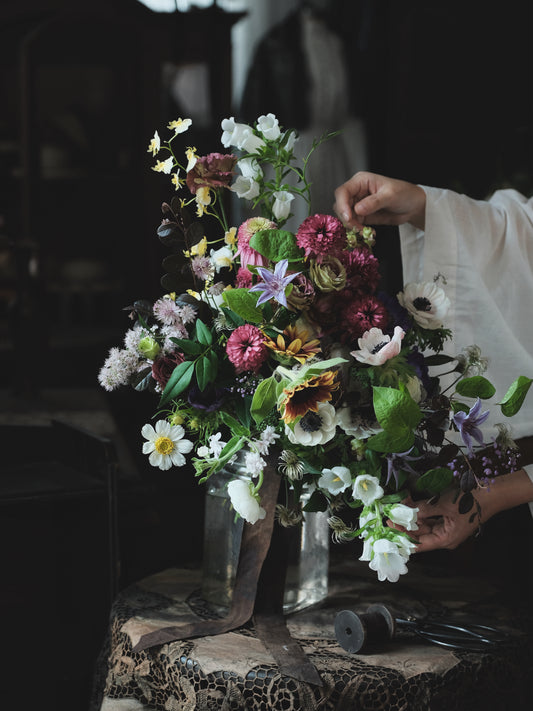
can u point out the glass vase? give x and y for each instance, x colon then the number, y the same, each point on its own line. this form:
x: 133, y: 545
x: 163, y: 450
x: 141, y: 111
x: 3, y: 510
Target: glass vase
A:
x: 306, y: 581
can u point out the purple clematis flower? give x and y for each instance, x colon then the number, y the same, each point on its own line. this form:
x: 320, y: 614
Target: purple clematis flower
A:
x: 274, y: 283
x: 468, y: 424
x: 397, y: 461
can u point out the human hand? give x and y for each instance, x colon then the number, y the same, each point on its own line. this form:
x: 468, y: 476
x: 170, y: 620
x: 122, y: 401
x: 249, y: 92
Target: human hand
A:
x: 378, y: 200
x: 441, y: 525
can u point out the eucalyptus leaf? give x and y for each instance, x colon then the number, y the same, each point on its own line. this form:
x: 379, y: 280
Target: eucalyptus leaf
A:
x: 514, y: 397
x: 476, y: 386
x: 178, y: 381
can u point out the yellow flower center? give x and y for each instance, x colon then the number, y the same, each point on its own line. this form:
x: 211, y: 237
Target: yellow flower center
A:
x: 364, y: 484
x: 164, y: 445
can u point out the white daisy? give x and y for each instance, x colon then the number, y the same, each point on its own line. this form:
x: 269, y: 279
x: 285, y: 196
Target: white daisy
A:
x: 165, y: 444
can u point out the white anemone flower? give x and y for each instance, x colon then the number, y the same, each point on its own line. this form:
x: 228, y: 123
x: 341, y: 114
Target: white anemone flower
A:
x: 367, y: 489
x: 282, y: 204
x: 376, y: 347
x: 426, y: 302
x: 335, y: 480
x: 244, y: 501
x: 315, y: 427
x: 405, y: 516
x: 165, y: 444
x: 387, y: 560
x: 269, y: 126
x: 355, y: 425
x: 245, y: 187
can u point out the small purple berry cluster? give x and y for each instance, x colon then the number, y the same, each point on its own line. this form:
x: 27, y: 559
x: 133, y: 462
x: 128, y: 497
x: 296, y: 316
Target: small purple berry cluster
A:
x: 482, y: 469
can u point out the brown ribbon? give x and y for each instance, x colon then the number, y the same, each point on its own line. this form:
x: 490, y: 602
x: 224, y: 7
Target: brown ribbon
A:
x: 259, y: 586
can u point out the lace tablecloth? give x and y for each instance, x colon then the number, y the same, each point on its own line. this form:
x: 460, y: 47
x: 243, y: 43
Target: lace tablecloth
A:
x: 235, y: 671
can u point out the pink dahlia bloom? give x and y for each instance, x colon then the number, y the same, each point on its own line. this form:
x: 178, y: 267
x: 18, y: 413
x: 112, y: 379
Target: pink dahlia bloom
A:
x: 362, y: 315
x: 362, y: 270
x: 244, y: 235
x: 214, y: 170
x: 321, y: 235
x: 246, y: 348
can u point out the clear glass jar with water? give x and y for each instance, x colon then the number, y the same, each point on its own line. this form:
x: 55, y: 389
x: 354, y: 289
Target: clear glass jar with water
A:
x: 307, y: 573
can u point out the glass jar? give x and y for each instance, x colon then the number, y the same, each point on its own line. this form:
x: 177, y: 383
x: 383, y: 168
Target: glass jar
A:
x: 307, y: 572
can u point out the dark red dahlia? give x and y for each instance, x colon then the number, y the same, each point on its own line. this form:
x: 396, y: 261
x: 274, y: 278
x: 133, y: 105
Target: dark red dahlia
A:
x: 362, y: 270
x: 363, y: 314
x: 320, y: 235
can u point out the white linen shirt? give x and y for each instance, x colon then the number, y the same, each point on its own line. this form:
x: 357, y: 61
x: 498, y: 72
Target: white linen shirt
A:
x: 484, y: 251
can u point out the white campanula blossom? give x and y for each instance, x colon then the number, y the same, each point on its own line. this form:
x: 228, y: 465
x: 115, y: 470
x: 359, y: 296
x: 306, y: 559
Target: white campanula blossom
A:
x: 282, y: 204
x: 240, y: 135
x: 426, y: 302
x: 291, y: 140
x: 335, y: 480
x: 269, y: 126
x: 404, y: 516
x: 387, y: 560
x: 367, y: 489
x: 250, y: 168
x: 405, y: 546
x: 245, y: 501
x: 246, y: 187
x: 367, y: 517
x: 375, y: 347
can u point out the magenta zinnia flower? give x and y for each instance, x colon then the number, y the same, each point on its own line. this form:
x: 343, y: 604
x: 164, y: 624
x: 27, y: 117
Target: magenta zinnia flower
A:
x: 243, y: 280
x: 363, y: 314
x: 362, y: 270
x: 212, y: 171
x: 246, y: 231
x: 320, y: 235
x: 246, y: 348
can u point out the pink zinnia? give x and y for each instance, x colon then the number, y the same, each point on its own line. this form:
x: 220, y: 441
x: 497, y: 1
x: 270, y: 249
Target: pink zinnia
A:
x: 245, y: 233
x: 246, y: 348
x: 363, y: 314
x: 362, y: 270
x: 243, y: 280
x: 320, y: 235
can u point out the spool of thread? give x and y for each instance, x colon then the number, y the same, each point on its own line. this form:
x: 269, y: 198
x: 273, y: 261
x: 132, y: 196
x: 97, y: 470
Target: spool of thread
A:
x: 356, y: 632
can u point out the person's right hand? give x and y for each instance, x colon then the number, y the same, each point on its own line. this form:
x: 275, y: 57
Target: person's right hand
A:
x: 369, y: 198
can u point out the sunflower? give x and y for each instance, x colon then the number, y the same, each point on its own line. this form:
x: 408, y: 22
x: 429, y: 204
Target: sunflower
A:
x: 306, y: 396
x: 294, y: 343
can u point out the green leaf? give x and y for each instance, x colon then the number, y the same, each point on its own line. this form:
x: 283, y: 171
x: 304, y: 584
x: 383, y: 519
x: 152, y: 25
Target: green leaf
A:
x: 264, y: 398
x: 438, y: 359
x: 141, y: 380
x: 395, y: 410
x: 232, y: 318
x: 187, y: 346
x: 243, y: 303
x: 178, y: 381
x: 203, y: 372
x: 213, y: 360
x: 236, y: 428
x: 435, y: 480
x: 514, y: 397
x: 276, y: 245
x: 389, y: 442
x: 203, y: 334
x: 476, y: 386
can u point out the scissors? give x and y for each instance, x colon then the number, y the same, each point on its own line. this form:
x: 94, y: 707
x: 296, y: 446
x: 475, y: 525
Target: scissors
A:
x: 355, y: 632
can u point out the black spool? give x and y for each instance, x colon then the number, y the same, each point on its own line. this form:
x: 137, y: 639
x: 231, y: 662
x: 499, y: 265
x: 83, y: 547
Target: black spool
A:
x: 356, y: 632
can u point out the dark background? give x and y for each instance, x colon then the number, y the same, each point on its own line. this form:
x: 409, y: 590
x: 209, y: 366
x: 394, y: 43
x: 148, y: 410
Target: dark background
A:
x: 444, y: 91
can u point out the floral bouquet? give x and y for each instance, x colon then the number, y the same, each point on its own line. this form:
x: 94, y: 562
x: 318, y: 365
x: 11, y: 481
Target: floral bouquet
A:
x: 271, y: 340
